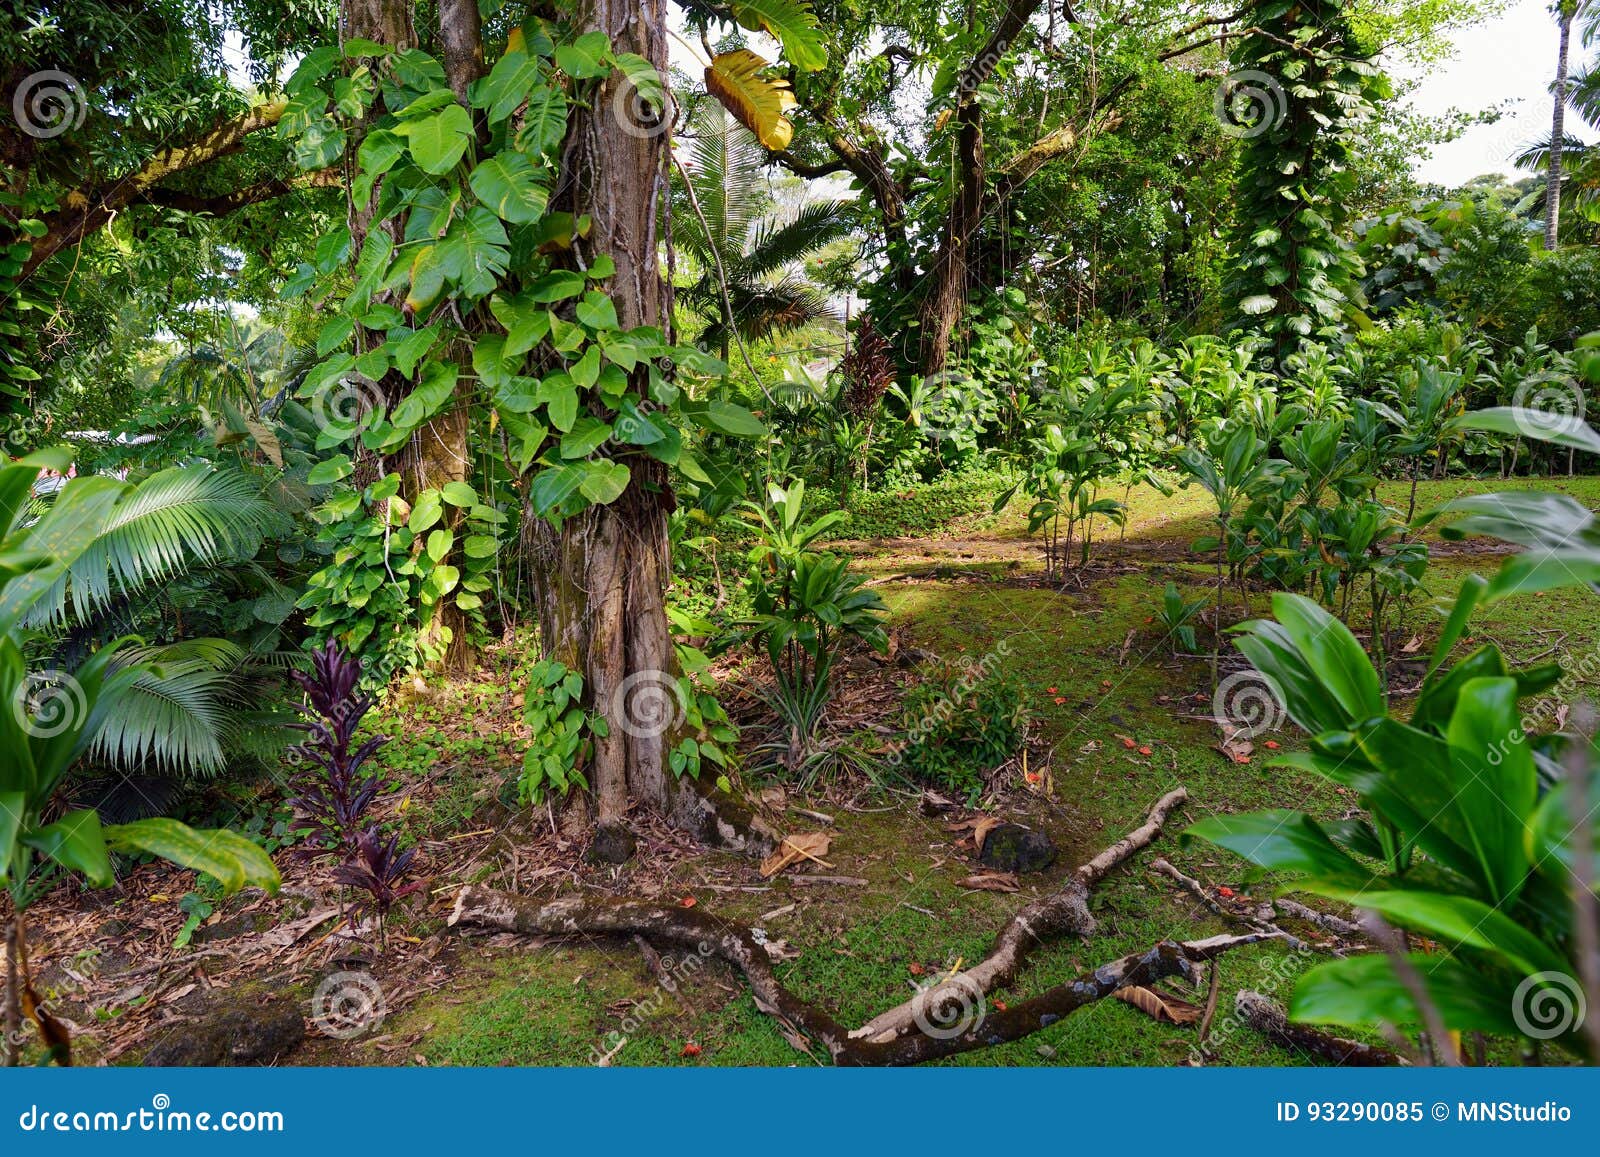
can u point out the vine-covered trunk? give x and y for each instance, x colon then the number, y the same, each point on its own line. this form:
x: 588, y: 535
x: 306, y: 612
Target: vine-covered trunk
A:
x: 437, y: 453
x: 601, y: 575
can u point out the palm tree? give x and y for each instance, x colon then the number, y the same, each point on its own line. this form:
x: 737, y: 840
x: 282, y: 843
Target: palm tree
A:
x: 745, y: 254
x: 1566, y: 12
x: 1580, y: 180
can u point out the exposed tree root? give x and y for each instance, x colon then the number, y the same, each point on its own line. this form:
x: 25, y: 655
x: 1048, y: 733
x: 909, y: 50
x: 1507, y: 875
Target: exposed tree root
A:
x: 1269, y: 1019
x: 952, y: 1017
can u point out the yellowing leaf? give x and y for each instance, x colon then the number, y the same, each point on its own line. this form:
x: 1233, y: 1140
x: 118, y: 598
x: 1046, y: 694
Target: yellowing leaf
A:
x: 757, y: 102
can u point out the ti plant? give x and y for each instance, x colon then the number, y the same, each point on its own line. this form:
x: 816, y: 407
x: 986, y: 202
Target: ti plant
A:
x: 1479, y: 841
x: 336, y: 796
x: 52, y: 722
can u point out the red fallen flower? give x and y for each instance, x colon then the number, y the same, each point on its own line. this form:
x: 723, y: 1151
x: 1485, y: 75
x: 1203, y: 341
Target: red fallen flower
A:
x: 1060, y: 699
x: 1049, y: 690
x: 1000, y: 1004
x: 1225, y: 891
x: 1144, y: 751
x: 915, y: 969
x: 687, y: 902
x: 691, y: 1050
x: 1031, y: 776
x: 1128, y: 743
x: 1272, y: 744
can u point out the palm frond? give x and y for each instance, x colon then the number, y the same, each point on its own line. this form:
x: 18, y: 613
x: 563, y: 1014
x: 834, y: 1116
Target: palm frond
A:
x: 724, y: 168
x: 176, y: 520
x: 191, y: 703
x: 777, y: 244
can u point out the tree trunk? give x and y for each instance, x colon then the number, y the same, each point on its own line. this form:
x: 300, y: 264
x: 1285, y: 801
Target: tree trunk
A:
x: 1558, y: 128
x: 437, y: 454
x: 601, y: 576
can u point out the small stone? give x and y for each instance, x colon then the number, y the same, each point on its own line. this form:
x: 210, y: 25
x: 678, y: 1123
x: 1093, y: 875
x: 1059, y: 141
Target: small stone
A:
x: 1014, y: 848
x: 1046, y: 1052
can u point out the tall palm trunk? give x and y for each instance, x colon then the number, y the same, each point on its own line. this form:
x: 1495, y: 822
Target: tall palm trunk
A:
x: 1558, y: 128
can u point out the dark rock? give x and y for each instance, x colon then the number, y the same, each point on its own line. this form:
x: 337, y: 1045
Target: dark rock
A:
x: 232, y: 1032
x: 1014, y: 848
x: 613, y: 844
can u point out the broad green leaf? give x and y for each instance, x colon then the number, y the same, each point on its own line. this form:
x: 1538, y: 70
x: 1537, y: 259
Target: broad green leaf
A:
x: 232, y: 860
x: 438, y: 142
x: 792, y: 23
x: 1285, y: 841
x: 509, y: 184
x: 1539, y: 425
x: 76, y: 842
x: 330, y: 470
x: 604, y: 481
x: 1364, y: 992
x: 586, y: 57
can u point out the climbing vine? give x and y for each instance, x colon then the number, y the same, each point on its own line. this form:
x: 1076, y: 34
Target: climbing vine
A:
x: 1304, y: 85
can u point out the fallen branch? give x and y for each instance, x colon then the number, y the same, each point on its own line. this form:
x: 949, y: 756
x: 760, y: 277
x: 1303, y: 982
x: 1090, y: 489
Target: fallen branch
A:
x: 1064, y: 913
x: 952, y: 1017
x: 1269, y: 1019
x: 975, y: 1026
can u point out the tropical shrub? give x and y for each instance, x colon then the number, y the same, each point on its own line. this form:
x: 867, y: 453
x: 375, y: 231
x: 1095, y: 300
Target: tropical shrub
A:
x: 962, y: 722
x: 1479, y: 828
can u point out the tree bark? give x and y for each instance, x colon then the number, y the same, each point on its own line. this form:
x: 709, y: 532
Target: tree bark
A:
x: 1558, y: 128
x: 601, y: 576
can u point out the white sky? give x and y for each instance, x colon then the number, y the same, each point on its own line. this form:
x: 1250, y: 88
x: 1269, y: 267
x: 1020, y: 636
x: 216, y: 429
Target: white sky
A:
x: 1512, y: 57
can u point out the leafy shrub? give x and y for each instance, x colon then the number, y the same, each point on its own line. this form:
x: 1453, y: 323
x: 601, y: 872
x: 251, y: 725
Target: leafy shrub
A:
x: 960, y: 722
